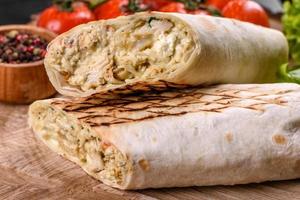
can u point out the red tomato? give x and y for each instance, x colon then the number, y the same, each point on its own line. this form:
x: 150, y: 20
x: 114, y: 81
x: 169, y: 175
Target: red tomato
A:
x: 179, y: 8
x: 60, y: 21
x: 174, y: 7
x: 156, y: 4
x: 248, y: 11
x: 110, y: 9
x: 219, y: 4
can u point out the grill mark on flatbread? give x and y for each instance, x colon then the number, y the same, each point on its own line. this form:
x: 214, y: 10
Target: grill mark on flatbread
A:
x: 141, y: 88
x: 113, y: 109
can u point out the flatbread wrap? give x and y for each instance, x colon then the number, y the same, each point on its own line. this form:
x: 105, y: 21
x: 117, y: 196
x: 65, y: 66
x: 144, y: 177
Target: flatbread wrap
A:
x: 176, y: 48
x: 220, y: 135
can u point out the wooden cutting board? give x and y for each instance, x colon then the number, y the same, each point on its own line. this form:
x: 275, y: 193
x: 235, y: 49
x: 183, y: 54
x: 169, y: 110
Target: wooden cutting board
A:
x: 29, y: 170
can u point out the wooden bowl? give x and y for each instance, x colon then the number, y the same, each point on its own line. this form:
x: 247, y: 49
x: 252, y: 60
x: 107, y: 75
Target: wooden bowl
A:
x: 25, y: 83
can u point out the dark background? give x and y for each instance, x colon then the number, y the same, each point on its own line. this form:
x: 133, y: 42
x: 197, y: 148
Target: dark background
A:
x: 19, y: 11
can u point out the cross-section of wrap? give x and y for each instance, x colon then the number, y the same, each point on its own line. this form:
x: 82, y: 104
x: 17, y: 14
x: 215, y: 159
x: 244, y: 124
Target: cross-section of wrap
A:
x: 176, y: 48
x: 222, y: 135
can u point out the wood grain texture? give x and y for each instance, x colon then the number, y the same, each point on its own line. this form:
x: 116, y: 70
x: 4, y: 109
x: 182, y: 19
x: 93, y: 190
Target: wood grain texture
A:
x: 29, y: 170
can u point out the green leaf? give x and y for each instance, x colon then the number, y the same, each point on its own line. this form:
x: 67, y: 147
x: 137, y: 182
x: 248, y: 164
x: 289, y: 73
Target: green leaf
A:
x: 64, y: 5
x: 291, y: 26
x: 289, y: 74
x: 295, y: 75
x: 134, y: 6
x: 94, y: 3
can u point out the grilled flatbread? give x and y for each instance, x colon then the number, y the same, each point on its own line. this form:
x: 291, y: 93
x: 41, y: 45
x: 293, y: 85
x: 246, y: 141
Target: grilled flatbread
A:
x: 221, y: 135
x: 150, y: 47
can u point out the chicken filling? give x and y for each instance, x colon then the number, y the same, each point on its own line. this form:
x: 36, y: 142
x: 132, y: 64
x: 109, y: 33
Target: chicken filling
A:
x: 117, y: 52
x: 80, y: 144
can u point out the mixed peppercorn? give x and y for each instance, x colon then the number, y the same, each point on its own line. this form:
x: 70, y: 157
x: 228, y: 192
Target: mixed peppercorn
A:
x: 21, y: 47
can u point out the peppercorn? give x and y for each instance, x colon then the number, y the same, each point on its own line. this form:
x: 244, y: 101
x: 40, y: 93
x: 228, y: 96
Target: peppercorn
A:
x: 12, y: 34
x: 21, y: 47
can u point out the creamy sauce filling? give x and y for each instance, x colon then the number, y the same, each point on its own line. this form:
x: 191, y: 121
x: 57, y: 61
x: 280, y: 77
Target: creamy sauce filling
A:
x: 109, y: 53
x: 80, y: 144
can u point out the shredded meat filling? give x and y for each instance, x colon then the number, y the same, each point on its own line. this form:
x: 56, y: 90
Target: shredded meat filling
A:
x: 80, y: 144
x: 114, y: 53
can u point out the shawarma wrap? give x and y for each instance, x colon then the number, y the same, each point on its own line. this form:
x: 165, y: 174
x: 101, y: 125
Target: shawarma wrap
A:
x: 177, y: 48
x: 222, y: 135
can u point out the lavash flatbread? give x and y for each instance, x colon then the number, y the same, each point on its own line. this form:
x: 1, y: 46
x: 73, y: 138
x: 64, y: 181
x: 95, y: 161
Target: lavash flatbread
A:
x: 221, y: 135
x: 172, y: 47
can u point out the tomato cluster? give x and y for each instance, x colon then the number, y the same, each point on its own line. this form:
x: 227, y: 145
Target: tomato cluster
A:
x: 59, y: 19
